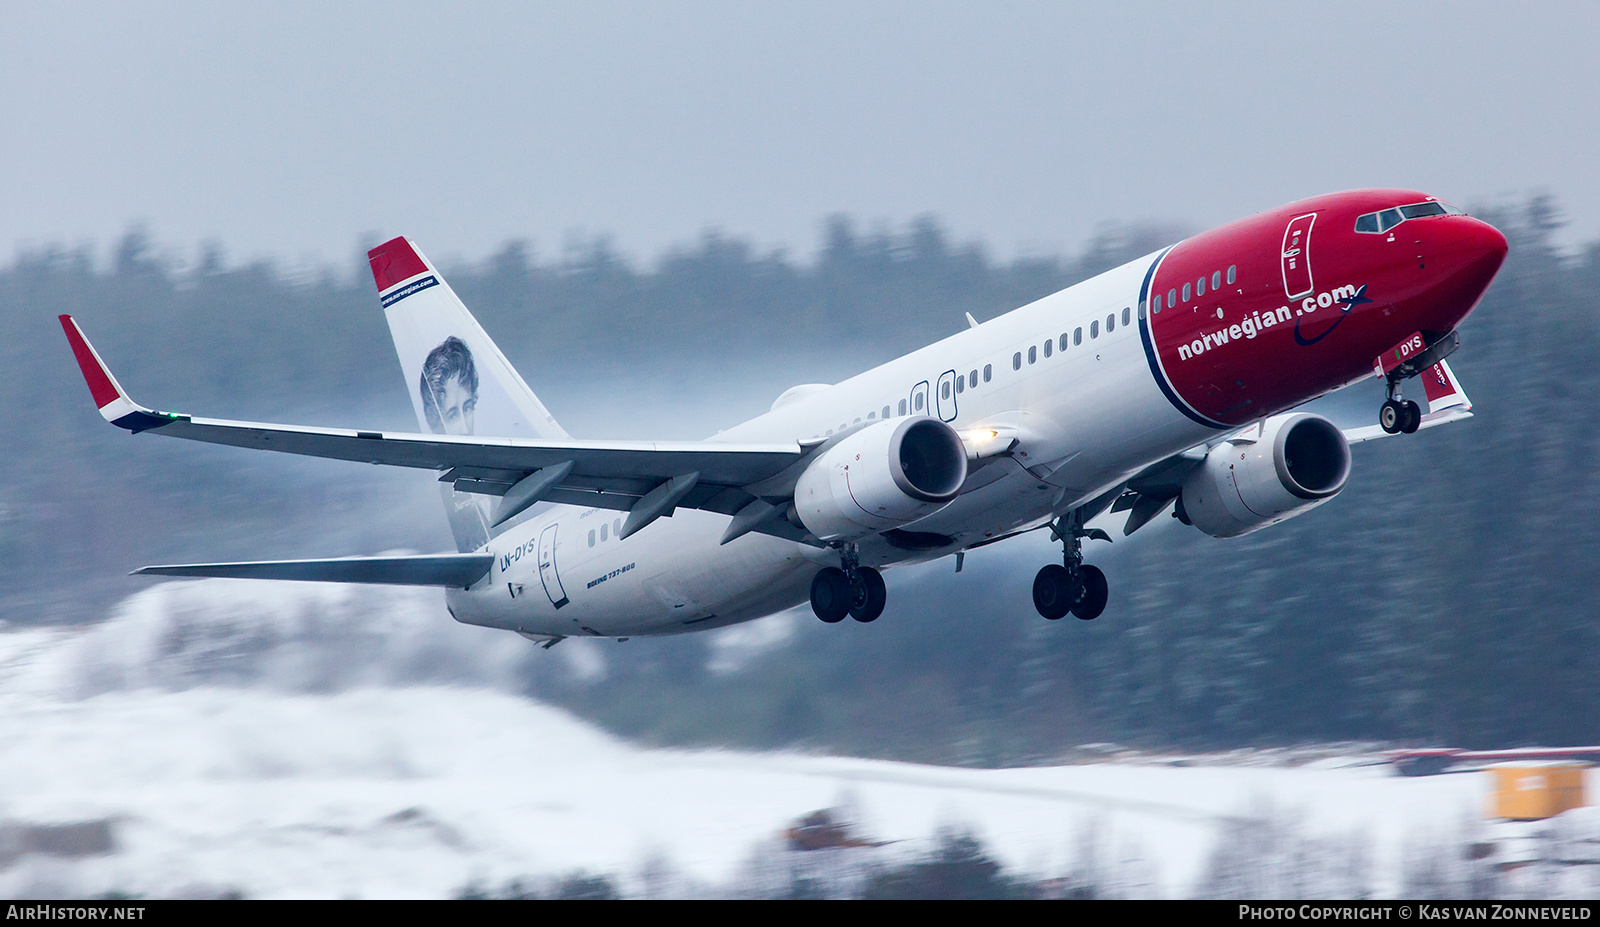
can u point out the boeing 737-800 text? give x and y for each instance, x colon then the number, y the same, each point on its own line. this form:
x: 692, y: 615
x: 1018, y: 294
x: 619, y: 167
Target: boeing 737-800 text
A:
x: 1167, y: 382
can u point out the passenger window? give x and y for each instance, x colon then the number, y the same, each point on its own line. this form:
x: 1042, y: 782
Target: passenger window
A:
x: 604, y: 530
x: 1077, y: 335
x: 902, y: 407
x: 1049, y: 345
x: 988, y: 370
x: 591, y: 537
x: 1033, y: 353
x: 1233, y: 273
x: 1200, y: 287
x: 1016, y: 361
x: 961, y: 383
x: 1094, y: 329
x: 1172, y: 298
x: 1063, y: 341
x: 1216, y: 280
x: 1155, y: 304
x: 1127, y: 316
x: 1186, y: 292
x: 916, y: 403
x: 617, y: 526
x: 1111, y: 323
x: 973, y: 377
x: 871, y: 416
x: 944, y: 390
x: 885, y: 411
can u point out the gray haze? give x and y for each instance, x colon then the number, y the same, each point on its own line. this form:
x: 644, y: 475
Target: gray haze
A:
x: 293, y: 130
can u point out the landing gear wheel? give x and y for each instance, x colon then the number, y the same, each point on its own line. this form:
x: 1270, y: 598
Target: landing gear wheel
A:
x: 1411, y: 418
x: 1094, y: 591
x: 1391, y: 415
x: 867, y: 595
x: 830, y: 594
x: 1052, y: 591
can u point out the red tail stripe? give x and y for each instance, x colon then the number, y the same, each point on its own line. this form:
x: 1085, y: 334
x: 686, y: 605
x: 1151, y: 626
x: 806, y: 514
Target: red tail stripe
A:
x: 393, y: 261
x: 100, y: 385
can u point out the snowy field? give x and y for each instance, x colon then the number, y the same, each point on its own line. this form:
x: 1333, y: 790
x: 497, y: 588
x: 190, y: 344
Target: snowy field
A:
x: 314, y: 741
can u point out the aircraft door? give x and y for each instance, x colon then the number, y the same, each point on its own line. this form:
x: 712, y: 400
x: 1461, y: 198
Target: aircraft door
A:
x: 1297, y: 256
x: 946, y: 396
x: 919, y: 399
x: 547, y: 567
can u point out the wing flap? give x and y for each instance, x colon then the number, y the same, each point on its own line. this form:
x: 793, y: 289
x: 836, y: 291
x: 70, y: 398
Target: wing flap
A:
x: 423, y: 570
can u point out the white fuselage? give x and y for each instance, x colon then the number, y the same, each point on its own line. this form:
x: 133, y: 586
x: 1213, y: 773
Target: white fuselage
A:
x: 1086, y: 419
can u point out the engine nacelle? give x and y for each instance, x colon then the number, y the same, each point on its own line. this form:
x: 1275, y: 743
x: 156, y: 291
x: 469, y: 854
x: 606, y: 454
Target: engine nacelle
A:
x: 883, y: 476
x: 1295, y: 463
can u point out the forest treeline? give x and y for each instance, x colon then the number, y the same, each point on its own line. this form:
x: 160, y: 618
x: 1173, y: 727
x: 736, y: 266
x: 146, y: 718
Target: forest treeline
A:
x: 1447, y: 596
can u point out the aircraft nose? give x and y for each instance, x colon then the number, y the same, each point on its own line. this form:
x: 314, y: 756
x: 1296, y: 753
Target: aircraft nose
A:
x: 1467, y: 253
x: 1481, y: 243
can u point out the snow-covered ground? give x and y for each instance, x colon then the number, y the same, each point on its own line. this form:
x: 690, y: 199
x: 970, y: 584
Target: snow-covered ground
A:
x: 316, y: 741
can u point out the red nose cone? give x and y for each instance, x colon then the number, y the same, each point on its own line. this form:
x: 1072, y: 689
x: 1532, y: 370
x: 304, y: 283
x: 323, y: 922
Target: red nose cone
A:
x: 1470, y: 253
x: 1486, y: 241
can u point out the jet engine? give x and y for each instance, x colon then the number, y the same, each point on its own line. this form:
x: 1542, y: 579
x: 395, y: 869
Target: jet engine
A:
x: 1290, y: 465
x: 885, y: 475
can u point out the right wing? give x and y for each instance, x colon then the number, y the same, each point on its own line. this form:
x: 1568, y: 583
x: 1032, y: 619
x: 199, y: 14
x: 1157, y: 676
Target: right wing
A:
x: 647, y: 479
x: 1151, y: 490
x: 1447, y: 402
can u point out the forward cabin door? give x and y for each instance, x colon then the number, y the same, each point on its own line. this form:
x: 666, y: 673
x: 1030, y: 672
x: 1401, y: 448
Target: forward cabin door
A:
x: 1297, y: 256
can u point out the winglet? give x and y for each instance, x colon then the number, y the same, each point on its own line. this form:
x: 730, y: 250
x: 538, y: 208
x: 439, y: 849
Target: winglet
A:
x: 109, y: 396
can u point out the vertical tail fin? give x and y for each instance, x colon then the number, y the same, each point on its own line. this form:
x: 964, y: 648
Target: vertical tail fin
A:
x: 459, y: 382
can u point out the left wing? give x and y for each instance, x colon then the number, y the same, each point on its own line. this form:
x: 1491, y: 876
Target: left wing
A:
x: 647, y: 479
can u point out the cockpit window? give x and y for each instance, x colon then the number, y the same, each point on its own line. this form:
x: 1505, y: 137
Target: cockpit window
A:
x: 1376, y: 223
x: 1422, y: 209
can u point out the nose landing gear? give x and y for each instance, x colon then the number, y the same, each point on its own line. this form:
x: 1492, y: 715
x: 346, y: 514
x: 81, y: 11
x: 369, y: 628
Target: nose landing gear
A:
x: 1072, y: 586
x: 1398, y: 415
x: 855, y: 590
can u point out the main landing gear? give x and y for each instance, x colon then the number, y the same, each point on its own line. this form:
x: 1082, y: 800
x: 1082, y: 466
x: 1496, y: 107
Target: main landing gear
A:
x: 1397, y: 415
x: 1072, y: 586
x: 855, y: 590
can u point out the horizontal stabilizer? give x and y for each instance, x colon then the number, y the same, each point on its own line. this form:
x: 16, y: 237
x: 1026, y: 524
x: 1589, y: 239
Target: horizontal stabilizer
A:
x: 425, y: 570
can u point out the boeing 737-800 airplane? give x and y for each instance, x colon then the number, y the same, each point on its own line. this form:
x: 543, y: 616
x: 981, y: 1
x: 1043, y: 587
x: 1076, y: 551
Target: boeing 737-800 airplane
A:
x: 1167, y: 382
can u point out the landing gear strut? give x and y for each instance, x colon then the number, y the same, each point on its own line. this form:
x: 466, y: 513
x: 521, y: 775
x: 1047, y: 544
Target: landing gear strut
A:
x: 1072, y: 586
x: 1398, y: 415
x: 854, y: 590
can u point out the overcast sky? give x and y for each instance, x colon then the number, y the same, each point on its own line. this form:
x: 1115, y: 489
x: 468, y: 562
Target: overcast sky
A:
x: 292, y: 130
